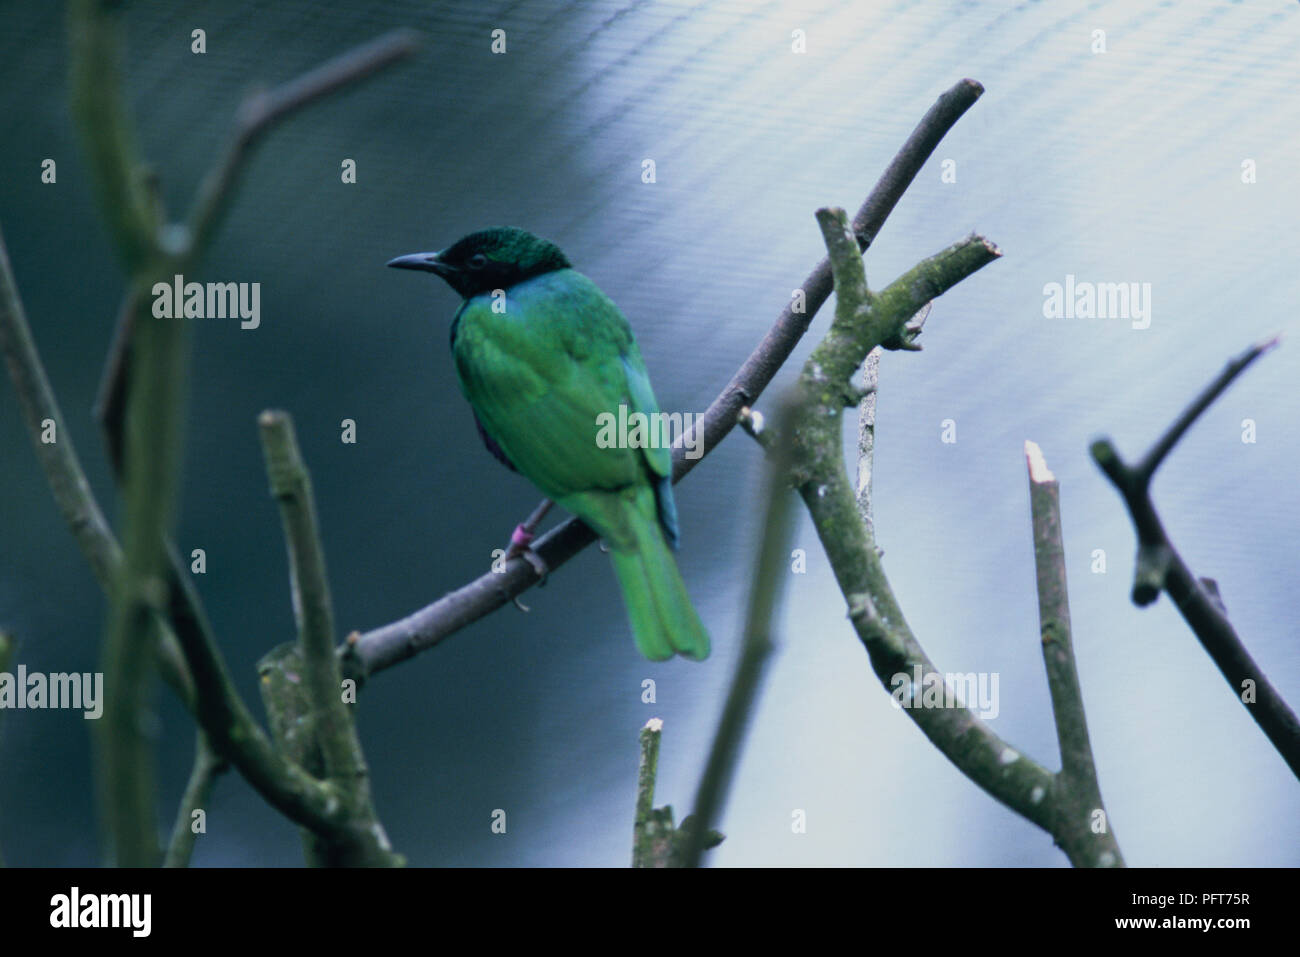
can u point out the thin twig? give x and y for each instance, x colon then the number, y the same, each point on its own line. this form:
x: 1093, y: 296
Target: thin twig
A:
x: 1160, y: 568
x: 63, y: 472
x: 256, y: 116
x: 392, y: 643
x: 50, y: 437
x: 1151, y: 461
x: 770, y: 576
x: 1081, y: 826
x: 208, y: 766
x: 263, y: 109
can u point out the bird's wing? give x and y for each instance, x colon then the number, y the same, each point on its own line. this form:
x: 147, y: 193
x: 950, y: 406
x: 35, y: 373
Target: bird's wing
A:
x: 658, y: 458
x: 540, y: 374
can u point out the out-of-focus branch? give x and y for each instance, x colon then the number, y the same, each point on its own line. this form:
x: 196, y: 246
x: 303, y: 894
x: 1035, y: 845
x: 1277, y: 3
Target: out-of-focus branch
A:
x: 389, y: 644
x: 1160, y: 568
x: 6, y: 655
x: 153, y: 414
x: 770, y: 576
x: 256, y: 116
x: 263, y: 109
x: 100, y: 113
x: 58, y: 458
x: 142, y: 407
x: 208, y: 766
x: 50, y: 439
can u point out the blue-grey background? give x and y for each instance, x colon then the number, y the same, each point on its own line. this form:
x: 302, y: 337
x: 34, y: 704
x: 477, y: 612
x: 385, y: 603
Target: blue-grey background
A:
x: 1122, y: 166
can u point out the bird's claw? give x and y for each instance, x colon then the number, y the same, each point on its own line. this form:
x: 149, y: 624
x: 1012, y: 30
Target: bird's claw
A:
x: 521, y: 547
x: 534, y: 560
x: 538, y: 565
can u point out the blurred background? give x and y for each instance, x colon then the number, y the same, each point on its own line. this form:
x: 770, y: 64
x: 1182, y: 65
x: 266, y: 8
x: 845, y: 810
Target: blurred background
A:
x: 1122, y: 166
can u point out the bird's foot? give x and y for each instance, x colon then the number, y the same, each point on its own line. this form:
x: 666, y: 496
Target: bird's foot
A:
x: 521, y: 546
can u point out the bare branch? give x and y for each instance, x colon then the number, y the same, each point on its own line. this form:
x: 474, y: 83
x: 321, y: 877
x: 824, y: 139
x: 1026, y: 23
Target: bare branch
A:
x: 208, y: 766
x: 256, y: 116
x: 1160, y: 568
x: 101, y: 116
x: 770, y: 576
x: 389, y: 644
x: 1081, y: 826
x: 260, y: 111
x: 1151, y: 461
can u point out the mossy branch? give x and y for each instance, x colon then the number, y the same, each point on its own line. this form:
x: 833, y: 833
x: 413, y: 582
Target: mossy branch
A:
x: 864, y: 321
x: 651, y: 833
x: 318, y: 705
x: 312, y: 607
x: 656, y: 841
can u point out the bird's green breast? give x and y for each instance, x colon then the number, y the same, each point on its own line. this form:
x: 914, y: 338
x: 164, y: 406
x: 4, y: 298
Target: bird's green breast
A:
x: 539, y: 367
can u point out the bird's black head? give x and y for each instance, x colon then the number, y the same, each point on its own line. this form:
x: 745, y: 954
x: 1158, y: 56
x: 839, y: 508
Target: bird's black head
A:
x: 495, y: 258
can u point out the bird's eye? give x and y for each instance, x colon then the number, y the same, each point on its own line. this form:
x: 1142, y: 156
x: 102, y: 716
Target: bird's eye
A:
x: 477, y: 261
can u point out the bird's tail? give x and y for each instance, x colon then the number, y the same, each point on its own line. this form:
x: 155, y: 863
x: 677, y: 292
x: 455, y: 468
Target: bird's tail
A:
x: 663, y: 618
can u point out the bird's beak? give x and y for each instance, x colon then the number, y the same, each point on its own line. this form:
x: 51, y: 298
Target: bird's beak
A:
x: 428, y: 262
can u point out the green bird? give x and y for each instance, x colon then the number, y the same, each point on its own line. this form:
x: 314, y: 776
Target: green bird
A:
x: 541, y: 353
